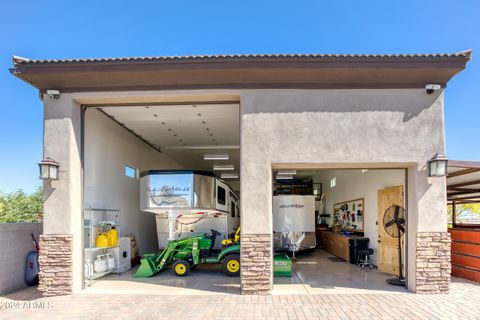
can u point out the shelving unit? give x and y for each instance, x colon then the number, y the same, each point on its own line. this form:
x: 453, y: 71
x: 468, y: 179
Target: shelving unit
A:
x: 298, y: 186
x: 97, y: 221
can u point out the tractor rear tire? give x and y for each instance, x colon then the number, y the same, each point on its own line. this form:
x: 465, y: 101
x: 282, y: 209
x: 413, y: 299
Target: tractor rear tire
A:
x: 231, y: 265
x: 181, y: 268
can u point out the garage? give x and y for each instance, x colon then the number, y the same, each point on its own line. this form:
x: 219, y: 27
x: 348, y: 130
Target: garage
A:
x: 332, y: 222
x: 125, y: 145
x: 134, y: 154
x: 359, y: 127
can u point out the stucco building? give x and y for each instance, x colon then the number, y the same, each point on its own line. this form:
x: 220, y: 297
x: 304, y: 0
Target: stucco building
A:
x: 300, y: 112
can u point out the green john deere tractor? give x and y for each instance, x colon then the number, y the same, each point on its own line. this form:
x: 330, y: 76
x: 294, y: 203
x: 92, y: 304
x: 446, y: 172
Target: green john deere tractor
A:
x: 184, y: 254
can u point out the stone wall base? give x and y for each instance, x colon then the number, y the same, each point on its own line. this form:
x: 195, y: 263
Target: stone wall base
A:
x: 433, y: 262
x: 256, y: 261
x: 55, y: 263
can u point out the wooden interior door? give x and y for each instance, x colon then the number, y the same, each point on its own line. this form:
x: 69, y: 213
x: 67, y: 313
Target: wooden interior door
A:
x: 387, y: 254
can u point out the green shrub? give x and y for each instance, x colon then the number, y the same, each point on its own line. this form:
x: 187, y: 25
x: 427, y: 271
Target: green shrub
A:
x: 17, y: 206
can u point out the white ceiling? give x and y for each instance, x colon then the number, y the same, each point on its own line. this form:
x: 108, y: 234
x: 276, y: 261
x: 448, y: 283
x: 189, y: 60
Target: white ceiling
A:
x: 186, y: 132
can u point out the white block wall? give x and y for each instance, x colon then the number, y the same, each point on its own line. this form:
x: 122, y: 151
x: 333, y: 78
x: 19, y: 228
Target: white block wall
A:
x: 15, y: 243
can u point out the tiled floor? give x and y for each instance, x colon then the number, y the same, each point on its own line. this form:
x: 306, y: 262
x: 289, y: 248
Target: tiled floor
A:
x: 320, y: 289
x: 462, y: 303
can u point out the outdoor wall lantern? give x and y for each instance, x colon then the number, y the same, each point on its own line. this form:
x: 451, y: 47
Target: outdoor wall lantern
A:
x: 49, y: 169
x: 437, y: 166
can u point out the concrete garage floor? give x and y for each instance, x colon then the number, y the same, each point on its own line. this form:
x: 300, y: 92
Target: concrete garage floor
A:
x: 203, y: 280
x: 314, y: 273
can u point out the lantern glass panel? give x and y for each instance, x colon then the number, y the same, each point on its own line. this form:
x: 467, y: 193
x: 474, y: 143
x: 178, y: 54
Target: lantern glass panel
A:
x: 44, y: 172
x: 441, y: 168
x: 432, y: 167
x: 53, y: 174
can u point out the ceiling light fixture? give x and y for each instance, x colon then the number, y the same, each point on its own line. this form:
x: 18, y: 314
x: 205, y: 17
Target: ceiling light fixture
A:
x: 284, y: 177
x: 216, y: 157
x: 226, y: 167
x: 229, y: 175
x: 287, y: 172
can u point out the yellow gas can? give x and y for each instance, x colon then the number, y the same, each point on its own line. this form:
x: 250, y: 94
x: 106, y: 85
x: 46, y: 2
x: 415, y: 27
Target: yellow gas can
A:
x: 112, y: 237
x: 102, y: 240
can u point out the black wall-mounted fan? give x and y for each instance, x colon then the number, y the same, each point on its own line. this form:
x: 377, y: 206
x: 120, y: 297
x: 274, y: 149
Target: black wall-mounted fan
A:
x: 394, y: 225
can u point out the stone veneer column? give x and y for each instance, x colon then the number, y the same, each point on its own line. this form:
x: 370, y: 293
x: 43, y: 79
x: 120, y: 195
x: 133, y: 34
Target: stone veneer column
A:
x: 256, y: 261
x: 433, y: 262
x: 55, y: 260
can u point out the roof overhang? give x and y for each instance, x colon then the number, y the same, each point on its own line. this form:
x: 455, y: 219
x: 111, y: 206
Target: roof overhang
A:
x: 463, y: 181
x: 309, y: 71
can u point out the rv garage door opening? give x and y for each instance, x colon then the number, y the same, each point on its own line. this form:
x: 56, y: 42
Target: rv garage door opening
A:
x: 156, y: 175
x: 335, y: 224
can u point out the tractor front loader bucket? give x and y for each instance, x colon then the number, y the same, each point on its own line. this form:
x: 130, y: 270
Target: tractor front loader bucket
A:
x: 153, y: 263
x: 147, y: 267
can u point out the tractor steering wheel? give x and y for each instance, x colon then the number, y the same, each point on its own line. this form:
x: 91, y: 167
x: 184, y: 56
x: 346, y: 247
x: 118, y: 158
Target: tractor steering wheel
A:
x: 215, y: 232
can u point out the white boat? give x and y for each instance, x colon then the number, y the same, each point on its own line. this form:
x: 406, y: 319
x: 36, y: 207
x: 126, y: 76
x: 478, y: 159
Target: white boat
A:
x: 188, y: 202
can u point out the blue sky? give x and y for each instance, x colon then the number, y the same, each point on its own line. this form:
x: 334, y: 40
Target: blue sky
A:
x: 61, y: 29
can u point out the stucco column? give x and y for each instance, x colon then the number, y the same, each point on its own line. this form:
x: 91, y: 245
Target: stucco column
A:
x: 429, y: 261
x: 61, y: 243
x: 256, y: 206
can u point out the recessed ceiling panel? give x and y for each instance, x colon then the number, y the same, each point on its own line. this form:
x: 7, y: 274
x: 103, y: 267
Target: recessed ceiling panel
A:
x: 186, y: 132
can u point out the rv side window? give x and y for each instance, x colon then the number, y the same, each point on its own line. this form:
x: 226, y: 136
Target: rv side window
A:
x: 221, y: 198
x: 232, y: 209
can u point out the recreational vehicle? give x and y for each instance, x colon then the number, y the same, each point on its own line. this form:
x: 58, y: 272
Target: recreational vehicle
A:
x: 187, y: 202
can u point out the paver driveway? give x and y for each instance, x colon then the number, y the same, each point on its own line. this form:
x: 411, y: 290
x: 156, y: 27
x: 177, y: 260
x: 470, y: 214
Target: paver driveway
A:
x: 462, y: 303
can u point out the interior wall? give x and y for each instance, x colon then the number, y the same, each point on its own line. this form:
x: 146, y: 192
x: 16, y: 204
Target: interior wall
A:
x: 353, y: 184
x: 108, y: 148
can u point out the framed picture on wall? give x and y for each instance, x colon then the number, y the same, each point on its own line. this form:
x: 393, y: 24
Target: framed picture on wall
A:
x: 350, y: 214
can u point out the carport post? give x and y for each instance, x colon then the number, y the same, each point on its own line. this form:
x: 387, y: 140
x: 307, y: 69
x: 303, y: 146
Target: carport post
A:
x: 60, y: 244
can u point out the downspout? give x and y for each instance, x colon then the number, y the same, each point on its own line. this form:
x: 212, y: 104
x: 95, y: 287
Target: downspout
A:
x: 82, y: 164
